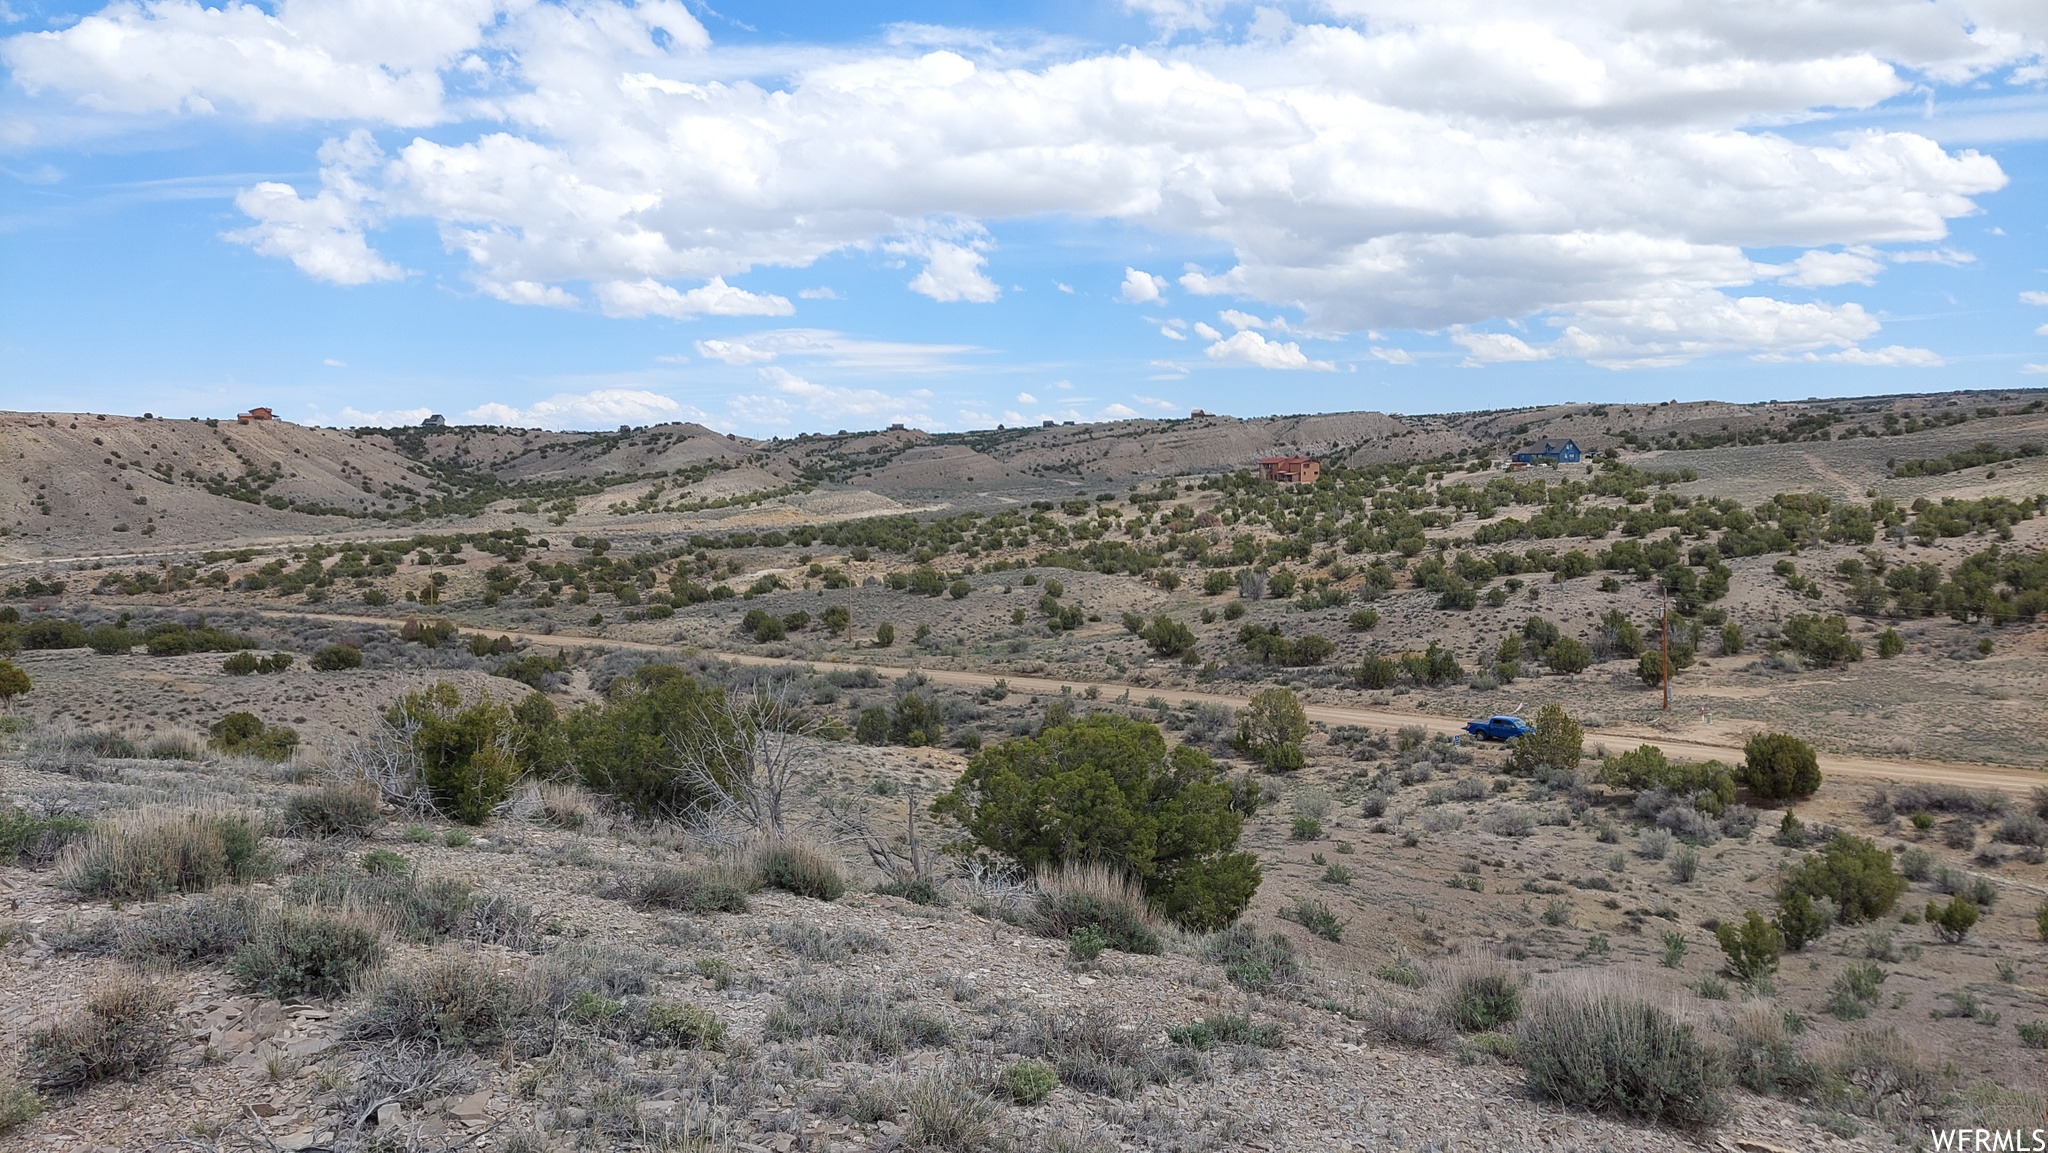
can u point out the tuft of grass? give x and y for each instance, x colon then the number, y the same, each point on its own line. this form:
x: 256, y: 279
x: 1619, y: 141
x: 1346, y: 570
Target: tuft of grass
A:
x: 853, y: 1010
x: 197, y: 931
x: 454, y: 1003
x: 152, y: 852
x: 333, y: 811
x: 122, y: 1031
x: 1315, y: 915
x: 565, y: 807
x: 800, y: 869
x: 944, y: 1110
x: 821, y: 943
x: 1610, y: 1053
x: 1483, y: 1000
x: 1253, y: 963
x: 1227, y: 1029
x: 298, y: 953
x: 1099, y: 897
x: 689, y: 891
x: 35, y: 841
x: 1762, y: 1057
x: 1096, y: 1053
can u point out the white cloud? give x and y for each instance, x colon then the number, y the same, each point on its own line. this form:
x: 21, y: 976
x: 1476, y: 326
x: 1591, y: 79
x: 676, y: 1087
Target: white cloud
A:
x: 531, y: 292
x: 597, y: 409
x: 1891, y: 356
x: 333, y: 363
x: 1204, y: 331
x: 1952, y: 257
x: 1484, y: 348
x: 837, y: 350
x: 1156, y: 402
x: 1065, y: 384
x: 1826, y: 269
x: 793, y: 394
x: 381, y: 418
x: 823, y: 293
x: 1240, y: 320
x: 1026, y: 398
x: 1141, y: 287
x: 1394, y: 355
x: 1585, y: 154
x: 1172, y: 333
x: 1119, y: 412
x: 2041, y: 331
x: 2034, y: 298
x: 733, y: 351
x: 2033, y: 369
x: 650, y: 297
x: 1250, y: 348
x: 1066, y: 288
x: 952, y: 273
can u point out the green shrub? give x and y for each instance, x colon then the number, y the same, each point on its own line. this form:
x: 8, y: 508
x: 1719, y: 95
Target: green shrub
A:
x: 31, y: 840
x: 1777, y: 767
x: 148, y: 854
x: 1953, y: 922
x: 2033, y: 1035
x: 1708, y: 784
x: 1028, y: 1082
x: 885, y: 635
x: 467, y: 756
x: 1752, y: 948
x: 1853, y: 873
x: 1823, y: 640
x: 1763, y: 1059
x: 337, y: 810
x: 245, y: 734
x: 1086, y: 944
x: 1611, y: 1055
x: 1890, y: 644
x: 122, y: 1031
x: 1226, y: 1029
x: 1557, y: 743
x: 801, y: 870
x: 916, y: 890
x: 677, y: 1025
x: 335, y: 658
x: 1484, y: 1001
x: 1106, y: 788
x: 385, y: 863
x: 625, y: 749
x: 1271, y: 719
x: 1798, y: 921
x: 18, y: 1104
x: 296, y: 954
x: 1568, y: 656
x: 916, y: 721
x: 854, y: 1010
x: 1253, y: 963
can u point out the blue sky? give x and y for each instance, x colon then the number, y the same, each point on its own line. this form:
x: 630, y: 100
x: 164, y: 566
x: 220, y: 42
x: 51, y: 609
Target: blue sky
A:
x: 780, y: 217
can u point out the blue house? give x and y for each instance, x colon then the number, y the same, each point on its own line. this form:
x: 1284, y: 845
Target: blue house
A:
x: 1549, y: 452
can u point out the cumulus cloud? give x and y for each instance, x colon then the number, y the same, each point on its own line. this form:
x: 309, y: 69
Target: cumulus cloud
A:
x: 1248, y: 347
x: 1826, y: 269
x: 650, y: 297
x: 1171, y: 333
x: 1206, y: 332
x: 530, y: 292
x: 1159, y: 403
x: 1484, y: 348
x: 1026, y: 398
x: 2034, y: 298
x: 822, y: 293
x: 1589, y: 154
x: 597, y: 409
x: 1141, y: 287
x: 1119, y: 412
x: 952, y: 274
x: 1394, y: 355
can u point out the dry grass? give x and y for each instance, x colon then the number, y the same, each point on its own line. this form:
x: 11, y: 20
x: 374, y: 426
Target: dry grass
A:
x: 150, y: 852
x: 1097, y: 896
x: 1606, y: 1048
x: 122, y: 1031
x: 798, y: 867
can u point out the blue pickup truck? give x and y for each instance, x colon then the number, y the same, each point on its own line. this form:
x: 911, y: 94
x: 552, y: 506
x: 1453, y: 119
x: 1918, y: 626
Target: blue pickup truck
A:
x: 1502, y: 728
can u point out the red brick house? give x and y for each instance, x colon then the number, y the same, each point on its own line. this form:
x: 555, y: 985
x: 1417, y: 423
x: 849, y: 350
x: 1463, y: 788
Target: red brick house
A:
x: 1291, y: 469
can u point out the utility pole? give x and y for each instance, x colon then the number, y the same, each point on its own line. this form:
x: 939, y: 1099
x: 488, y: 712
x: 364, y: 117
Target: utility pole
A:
x: 1666, y: 630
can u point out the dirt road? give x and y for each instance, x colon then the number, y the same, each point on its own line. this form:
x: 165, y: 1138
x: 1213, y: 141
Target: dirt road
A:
x: 1720, y: 745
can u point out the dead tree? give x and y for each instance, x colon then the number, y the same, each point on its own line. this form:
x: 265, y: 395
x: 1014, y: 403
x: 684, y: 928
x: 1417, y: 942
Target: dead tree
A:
x: 745, y: 761
x: 904, y: 859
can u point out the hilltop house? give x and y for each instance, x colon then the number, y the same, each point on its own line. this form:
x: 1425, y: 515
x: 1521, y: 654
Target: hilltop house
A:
x: 257, y: 413
x: 1291, y: 469
x: 436, y: 420
x: 1549, y: 452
